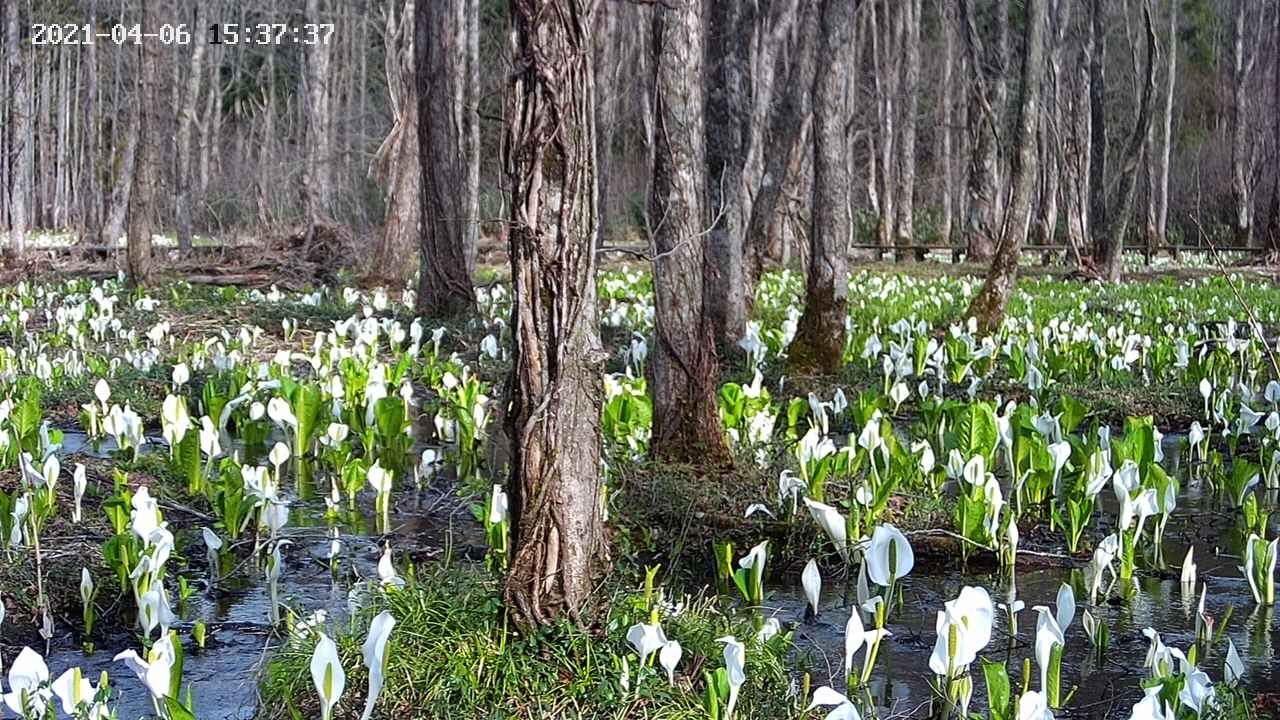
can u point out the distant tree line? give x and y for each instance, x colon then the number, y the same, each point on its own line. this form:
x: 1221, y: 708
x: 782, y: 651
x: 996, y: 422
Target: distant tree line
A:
x: 252, y: 138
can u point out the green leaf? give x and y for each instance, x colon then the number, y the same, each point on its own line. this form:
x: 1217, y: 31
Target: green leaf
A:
x: 1140, y: 441
x: 741, y: 579
x: 175, y: 677
x: 722, y: 683
x: 998, y: 694
x: 177, y: 711
x: 1054, y: 677
x: 711, y: 700
x: 796, y: 409
x: 976, y: 430
x: 186, y: 459
x: 306, y: 402
x: 213, y: 399
x: 1073, y: 412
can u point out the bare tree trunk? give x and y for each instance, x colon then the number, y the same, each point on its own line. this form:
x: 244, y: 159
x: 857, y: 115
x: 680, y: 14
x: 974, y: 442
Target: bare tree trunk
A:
x: 686, y: 422
x: 820, y: 335
x: 1126, y: 184
x: 317, y: 185
x: 396, y: 165
x: 186, y: 118
x: 143, y: 217
x: 1050, y: 127
x: 1274, y: 232
x: 122, y: 185
x: 19, y: 133
x: 769, y: 56
x: 6, y: 91
x: 1166, y: 133
x: 208, y: 124
x: 885, y: 49
x: 985, y: 117
x: 946, y: 131
x: 989, y: 304
x: 1097, y: 56
x: 556, y: 381
x: 1075, y: 156
x: 470, y: 115
x: 784, y: 143
x: 728, y: 143
x: 42, y: 137
x: 904, y: 194
x: 444, y: 140
x: 90, y: 204
x: 58, y: 216
x: 608, y: 67
x: 1243, y: 56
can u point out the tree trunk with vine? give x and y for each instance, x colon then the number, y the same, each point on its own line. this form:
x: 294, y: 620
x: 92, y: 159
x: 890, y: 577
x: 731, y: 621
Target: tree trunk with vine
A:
x: 556, y: 381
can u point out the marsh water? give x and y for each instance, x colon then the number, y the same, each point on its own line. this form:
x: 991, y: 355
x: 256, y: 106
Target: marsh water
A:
x: 1103, y: 687
x: 426, y: 523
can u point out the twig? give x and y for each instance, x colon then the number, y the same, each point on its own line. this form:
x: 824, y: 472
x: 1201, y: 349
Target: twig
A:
x: 956, y: 536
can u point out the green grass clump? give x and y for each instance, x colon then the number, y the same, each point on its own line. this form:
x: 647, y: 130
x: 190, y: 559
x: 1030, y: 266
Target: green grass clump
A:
x: 452, y: 655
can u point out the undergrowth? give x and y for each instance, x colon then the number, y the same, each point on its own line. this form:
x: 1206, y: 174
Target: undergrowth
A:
x: 452, y: 655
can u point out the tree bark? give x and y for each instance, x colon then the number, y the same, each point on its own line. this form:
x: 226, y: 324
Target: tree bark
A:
x: 686, y: 422
x: 396, y: 165
x: 19, y: 125
x: 209, y: 122
x: 1127, y: 180
x: 904, y: 194
x: 728, y: 143
x: 90, y: 203
x: 186, y: 118
x: 556, y: 376
x: 885, y: 76
x: 818, y: 346
x: 143, y: 216
x: 1274, y: 229
x: 445, y: 149
x: 784, y: 143
x: 946, y: 131
x: 1243, y: 55
x: 607, y: 67
x: 317, y: 185
x: 471, y: 138
x: 1166, y: 133
x: 1052, y: 125
x: 1097, y: 57
x: 985, y: 118
x: 989, y: 304
x: 122, y: 184
x: 1075, y: 156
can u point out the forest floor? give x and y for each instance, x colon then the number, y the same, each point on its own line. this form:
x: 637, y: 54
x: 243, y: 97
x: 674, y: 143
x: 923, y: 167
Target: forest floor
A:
x: 661, y: 514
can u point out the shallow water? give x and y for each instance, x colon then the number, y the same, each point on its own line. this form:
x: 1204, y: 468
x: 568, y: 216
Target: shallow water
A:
x: 424, y: 524
x: 901, y: 680
x: 223, y: 677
